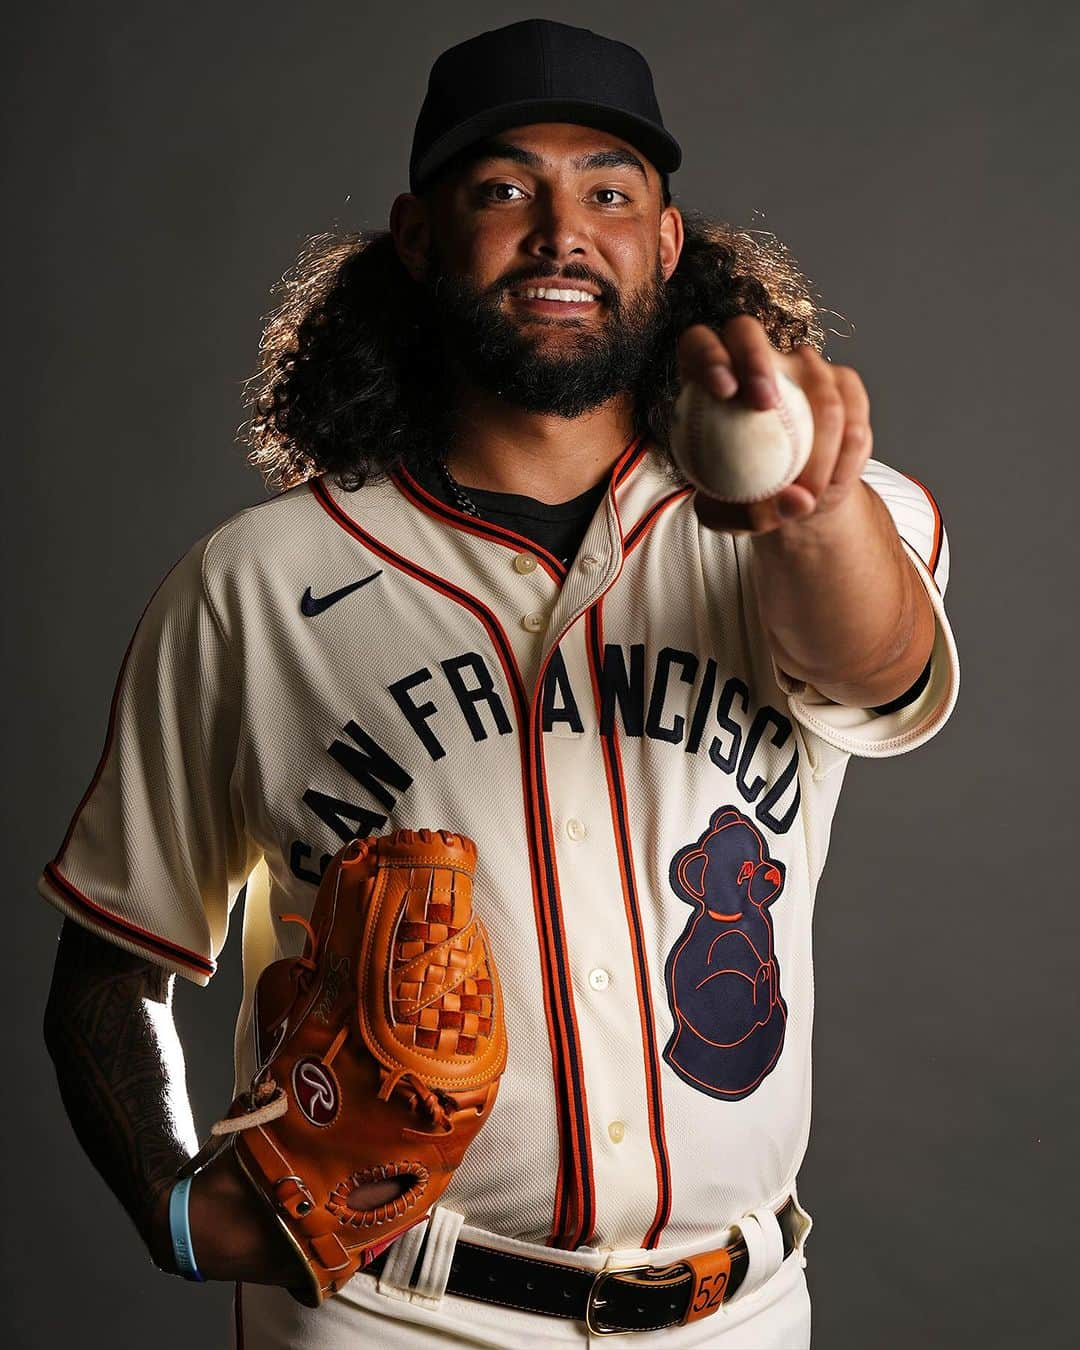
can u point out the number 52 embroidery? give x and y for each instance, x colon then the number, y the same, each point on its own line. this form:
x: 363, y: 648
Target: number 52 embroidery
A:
x: 709, y: 1293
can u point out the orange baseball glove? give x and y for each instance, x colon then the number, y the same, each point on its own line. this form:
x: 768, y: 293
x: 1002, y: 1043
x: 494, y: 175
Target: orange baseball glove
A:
x: 380, y: 1051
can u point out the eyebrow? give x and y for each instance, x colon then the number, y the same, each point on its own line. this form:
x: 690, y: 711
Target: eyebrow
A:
x: 614, y: 158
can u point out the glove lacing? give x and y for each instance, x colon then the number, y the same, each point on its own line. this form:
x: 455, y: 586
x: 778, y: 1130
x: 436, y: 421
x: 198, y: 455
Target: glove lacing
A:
x: 267, y: 1098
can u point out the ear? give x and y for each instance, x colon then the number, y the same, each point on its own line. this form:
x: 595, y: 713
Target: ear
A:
x: 410, y: 226
x: 692, y: 871
x: 671, y: 240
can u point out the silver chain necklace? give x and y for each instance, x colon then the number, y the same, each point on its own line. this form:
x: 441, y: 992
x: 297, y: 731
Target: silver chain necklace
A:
x: 464, y: 501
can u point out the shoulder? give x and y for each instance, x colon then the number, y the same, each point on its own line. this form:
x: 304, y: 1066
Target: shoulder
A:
x: 915, y: 513
x: 902, y: 489
x: 262, y: 532
x: 271, y: 545
x: 257, y: 555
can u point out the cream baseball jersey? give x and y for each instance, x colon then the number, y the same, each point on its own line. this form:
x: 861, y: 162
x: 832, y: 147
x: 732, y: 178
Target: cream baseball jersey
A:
x: 651, y: 800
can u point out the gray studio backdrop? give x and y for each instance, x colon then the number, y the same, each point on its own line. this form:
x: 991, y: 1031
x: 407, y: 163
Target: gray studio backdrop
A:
x: 165, y: 164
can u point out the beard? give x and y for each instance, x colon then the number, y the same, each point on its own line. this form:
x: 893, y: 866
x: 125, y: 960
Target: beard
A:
x: 585, y: 367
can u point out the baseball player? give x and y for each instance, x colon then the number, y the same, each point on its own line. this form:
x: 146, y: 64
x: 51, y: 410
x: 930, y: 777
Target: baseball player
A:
x: 482, y: 598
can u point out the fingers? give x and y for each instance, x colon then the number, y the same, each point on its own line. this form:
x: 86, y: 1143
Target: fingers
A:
x: 842, y: 436
x: 857, y: 443
x: 705, y: 359
x: 754, y: 360
x: 818, y: 380
x: 757, y: 517
x: 372, y: 1194
x: 742, y: 362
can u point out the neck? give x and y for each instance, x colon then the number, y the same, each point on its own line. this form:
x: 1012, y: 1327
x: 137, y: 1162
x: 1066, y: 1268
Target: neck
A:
x: 498, y: 447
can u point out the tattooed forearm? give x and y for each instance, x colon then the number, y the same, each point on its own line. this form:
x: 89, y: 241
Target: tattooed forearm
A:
x: 109, y: 1030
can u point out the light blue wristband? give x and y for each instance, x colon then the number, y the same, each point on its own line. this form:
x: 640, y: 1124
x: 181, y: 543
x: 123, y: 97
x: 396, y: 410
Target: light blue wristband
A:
x: 180, y: 1230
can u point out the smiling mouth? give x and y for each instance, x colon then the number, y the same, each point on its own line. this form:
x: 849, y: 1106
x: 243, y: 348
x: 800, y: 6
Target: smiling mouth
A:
x: 554, y: 300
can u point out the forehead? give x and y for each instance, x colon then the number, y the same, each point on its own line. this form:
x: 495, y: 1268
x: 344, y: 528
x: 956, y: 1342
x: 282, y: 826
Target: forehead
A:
x: 562, y: 137
x: 561, y: 147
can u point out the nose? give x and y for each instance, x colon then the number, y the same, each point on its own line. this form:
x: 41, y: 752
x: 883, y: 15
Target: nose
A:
x: 557, y: 249
x: 557, y: 232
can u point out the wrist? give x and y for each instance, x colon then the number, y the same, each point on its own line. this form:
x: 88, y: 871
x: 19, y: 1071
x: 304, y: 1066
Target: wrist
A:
x: 213, y: 1200
x: 833, y: 520
x: 157, y: 1233
x: 180, y: 1229
x: 208, y: 1190
x: 234, y: 1235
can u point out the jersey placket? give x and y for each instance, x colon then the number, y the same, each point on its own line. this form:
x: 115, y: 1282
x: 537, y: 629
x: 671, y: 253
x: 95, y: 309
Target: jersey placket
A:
x: 597, y: 566
x: 538, y: 616
x: 600, y: 955
x: 605, y: 979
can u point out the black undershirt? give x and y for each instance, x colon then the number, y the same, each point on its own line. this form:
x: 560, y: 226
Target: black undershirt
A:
x: 559, y: 527
x: 556, y: 527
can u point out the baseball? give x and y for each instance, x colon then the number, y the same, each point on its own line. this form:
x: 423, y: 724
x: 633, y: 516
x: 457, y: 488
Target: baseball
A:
x: 739, y: 454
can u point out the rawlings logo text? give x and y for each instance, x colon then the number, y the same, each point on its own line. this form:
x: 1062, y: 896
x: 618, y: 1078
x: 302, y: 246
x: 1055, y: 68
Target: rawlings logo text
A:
x: 337, y: 972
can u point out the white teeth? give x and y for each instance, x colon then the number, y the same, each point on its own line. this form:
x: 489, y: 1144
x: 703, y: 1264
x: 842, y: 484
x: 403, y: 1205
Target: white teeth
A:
x: 547, y: 293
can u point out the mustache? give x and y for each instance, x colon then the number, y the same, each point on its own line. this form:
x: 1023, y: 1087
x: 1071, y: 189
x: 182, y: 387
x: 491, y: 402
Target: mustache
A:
x: 451, y: 298
x: 570, y: 273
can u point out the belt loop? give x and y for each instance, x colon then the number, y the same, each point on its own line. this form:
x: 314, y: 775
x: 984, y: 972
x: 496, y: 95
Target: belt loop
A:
x: 764, y: 1248
x: 443, y: 1229
x: 803, y: 1224
x: 396, y: 1274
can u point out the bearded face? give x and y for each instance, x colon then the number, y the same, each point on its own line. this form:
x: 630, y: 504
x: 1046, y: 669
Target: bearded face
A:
x: 562, y: 366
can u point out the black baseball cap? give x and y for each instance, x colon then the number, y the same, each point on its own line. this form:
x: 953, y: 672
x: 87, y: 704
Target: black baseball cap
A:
x: 537, y: 71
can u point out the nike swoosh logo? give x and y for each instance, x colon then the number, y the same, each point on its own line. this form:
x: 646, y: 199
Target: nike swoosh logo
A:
x: 309, y: 606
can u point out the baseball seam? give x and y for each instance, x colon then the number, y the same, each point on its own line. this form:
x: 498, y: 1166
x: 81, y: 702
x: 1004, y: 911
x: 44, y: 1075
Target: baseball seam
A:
x: 695, y: 434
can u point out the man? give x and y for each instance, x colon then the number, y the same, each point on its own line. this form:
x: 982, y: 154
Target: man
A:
x: 484, y: 600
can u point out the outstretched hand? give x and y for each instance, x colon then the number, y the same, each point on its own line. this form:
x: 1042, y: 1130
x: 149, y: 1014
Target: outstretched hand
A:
x: 738, y: 362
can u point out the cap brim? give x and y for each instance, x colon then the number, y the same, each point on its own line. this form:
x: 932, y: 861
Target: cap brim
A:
x: 654, y: 142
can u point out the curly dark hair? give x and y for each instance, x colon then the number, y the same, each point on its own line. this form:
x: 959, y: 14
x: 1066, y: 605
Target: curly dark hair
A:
x: 351, y: 377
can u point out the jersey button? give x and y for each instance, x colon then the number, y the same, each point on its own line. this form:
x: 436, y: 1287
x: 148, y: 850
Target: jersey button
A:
x: 617, y: 1131
x: 533, y: 623
x: 599, y: 979
x: 576, y: 829
x: 590, y: 561
x: 525, y: 562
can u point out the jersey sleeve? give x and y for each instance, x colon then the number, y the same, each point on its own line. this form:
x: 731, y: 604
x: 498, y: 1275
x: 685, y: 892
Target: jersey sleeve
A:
x: 156, y: 852
x: 912, y: 719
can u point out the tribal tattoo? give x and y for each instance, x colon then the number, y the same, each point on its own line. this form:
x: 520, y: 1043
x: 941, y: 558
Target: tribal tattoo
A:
x: 109, y: 1030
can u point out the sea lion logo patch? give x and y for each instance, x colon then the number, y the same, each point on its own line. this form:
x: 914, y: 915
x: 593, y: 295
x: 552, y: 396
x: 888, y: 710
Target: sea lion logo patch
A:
x: 723, y: 980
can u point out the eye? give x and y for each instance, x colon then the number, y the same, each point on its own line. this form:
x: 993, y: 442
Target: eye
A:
x: 489, y: 188
x: 746, y: 871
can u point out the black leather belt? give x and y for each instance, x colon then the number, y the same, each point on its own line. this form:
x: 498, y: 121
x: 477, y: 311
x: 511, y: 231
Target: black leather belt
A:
x: 643, y: 1298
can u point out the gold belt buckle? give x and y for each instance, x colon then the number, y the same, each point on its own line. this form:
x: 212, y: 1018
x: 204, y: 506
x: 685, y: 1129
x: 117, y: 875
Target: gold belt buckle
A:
x: 595, y: 1301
